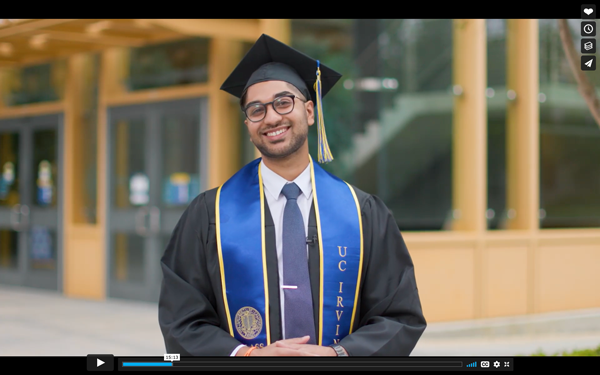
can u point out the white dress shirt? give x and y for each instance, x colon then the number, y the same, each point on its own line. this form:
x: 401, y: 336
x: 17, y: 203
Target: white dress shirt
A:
x: 273, y: 184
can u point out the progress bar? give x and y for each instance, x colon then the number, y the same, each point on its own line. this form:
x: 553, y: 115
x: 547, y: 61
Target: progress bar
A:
x: 321, y: 363
x: 147, y: 364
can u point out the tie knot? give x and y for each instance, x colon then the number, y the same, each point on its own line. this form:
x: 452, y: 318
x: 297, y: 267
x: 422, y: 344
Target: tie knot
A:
x: 291, y: 191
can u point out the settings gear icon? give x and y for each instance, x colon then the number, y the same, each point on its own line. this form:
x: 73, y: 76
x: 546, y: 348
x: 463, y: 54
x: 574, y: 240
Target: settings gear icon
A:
x: 496, y: 364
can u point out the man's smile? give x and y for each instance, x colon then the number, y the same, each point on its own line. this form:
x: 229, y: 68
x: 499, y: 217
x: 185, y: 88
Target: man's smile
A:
x: 276, y: 133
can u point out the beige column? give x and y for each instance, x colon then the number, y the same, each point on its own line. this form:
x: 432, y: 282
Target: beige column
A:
x: 73, y: 183
x: 469, y: 148
x: 224, y: 141
x: 85, y: 245
x: 83, y: 266
x: 522, y: 125
x: 522, y: 143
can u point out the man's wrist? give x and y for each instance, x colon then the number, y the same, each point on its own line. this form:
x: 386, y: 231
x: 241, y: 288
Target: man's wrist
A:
x: 242, y: 351
x: 339, y: 350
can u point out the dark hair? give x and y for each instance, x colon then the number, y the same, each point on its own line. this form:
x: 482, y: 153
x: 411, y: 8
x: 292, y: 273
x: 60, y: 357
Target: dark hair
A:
x: 243, y: 100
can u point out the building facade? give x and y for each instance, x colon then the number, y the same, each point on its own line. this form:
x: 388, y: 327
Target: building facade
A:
x: 478, y: 141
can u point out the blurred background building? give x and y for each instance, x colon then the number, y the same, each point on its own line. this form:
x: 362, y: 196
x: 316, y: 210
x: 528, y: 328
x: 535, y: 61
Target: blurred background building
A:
x: 478, y: 141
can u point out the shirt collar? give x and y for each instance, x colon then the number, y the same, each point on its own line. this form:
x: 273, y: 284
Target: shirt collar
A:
x: 274, y: 183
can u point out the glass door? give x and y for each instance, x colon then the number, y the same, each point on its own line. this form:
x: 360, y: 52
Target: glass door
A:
x: 30, y: 201
x: 11, y: 198
x: 155, y: 170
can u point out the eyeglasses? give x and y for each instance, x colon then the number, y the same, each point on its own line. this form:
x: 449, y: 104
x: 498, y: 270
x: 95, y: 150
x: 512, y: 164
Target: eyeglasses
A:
x: 283, y: 105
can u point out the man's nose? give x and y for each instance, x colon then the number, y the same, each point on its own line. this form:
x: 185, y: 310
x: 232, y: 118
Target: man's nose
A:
x: 272, y: 117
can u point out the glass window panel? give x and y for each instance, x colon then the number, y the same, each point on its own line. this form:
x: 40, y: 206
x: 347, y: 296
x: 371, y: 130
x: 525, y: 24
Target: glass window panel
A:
x: 9, y: 169
x: 129, y: 164
x: 180, y: 141
x: 496, y: 116
x: 127, y: 257
x: 569, y: 137
x: 45, y: 168
x: 9, y: 242
x: 168, y: 64
x: 42, y: 248
x: 34, y: 84
x: 389, y: 119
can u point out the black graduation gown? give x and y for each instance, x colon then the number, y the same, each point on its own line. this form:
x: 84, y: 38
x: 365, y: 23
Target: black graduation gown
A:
x: 192, y: 314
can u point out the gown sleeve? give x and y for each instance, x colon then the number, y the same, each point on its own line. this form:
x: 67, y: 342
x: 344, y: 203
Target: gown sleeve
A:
x: 187, y: 311
x: 391, y: 317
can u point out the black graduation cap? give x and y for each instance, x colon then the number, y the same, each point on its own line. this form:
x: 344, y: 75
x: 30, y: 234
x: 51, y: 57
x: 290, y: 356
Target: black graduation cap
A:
x: 272, y: 60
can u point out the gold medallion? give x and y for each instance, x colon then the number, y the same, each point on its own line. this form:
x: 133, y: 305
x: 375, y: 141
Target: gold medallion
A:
x: 248, y: 322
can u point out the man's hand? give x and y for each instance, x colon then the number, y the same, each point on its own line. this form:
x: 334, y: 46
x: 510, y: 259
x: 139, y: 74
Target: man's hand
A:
x: 322, y: 351
x: 276, y: 350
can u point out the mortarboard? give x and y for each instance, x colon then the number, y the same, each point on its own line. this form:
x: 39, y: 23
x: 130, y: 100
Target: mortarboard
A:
x: 272, y: 60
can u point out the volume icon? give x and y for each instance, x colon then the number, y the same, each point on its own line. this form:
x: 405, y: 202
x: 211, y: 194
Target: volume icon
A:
x: 474, y: 364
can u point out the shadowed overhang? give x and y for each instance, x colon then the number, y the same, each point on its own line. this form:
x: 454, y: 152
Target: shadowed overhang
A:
x: 30, y: 41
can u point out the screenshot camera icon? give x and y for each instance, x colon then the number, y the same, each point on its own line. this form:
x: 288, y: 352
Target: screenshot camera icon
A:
x: 588, y: 28
x: 588, y: 45
x: 588, y: 11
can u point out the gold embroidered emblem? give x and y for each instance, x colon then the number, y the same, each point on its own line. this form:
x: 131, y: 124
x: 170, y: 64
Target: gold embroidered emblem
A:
x: 248, y: 322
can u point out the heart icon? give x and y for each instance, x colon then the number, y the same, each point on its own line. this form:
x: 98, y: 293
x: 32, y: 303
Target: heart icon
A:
x: 588, y: 11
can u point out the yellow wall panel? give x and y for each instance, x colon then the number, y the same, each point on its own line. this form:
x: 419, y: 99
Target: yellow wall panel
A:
x: 505, y: 281
x: 84, y: 267
x: 568, y: 277
x: 445, y: 278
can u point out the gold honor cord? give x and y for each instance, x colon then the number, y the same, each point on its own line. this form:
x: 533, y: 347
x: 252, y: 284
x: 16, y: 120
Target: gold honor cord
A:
x: 360, y: 264
x: 324, y: 151
x: 321, y: 290
x: 264, y: 255
x: 220, y: 252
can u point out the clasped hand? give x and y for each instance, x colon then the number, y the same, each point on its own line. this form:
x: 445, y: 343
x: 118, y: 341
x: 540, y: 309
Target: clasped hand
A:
x: 296, y: 347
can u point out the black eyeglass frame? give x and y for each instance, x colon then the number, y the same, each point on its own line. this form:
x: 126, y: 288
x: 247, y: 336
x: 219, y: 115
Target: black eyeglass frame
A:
x: 292, y: 96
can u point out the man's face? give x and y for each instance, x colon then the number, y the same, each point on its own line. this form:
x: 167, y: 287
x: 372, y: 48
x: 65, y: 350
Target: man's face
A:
x: 279, y: 136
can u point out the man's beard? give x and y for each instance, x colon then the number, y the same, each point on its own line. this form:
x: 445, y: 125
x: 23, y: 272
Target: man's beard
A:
x: 295, y: 144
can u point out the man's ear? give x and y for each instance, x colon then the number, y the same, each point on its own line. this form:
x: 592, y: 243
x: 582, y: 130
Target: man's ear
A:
x: 310, y: 112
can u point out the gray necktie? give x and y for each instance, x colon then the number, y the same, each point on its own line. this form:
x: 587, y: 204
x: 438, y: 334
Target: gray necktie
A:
x: 299, y: 320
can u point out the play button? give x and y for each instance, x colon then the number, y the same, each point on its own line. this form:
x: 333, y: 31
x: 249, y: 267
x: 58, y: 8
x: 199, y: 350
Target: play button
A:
x: 100, y: 362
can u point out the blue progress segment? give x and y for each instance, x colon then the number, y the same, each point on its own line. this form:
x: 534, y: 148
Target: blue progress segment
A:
x: 147, y: 364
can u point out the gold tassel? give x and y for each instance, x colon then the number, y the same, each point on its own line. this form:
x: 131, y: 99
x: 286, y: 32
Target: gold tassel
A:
x: 324, y: 151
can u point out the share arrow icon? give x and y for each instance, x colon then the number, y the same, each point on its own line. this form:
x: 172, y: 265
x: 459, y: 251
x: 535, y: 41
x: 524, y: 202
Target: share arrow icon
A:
x: 588, y: 63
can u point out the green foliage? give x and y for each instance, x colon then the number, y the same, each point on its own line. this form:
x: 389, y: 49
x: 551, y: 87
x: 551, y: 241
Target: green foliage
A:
x: 168, y: 64
x: 575, y: 353
x: 36, y: 84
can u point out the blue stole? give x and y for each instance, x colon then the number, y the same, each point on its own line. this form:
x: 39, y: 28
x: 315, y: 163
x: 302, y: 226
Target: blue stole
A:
x: 240, y: 227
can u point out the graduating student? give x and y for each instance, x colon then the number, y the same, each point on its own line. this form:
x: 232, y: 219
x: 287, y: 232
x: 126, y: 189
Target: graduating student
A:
x: 285, y: 259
